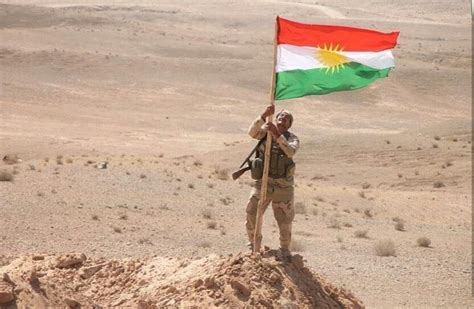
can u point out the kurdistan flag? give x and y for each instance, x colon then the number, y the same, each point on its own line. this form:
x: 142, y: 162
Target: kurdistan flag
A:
x: 319, y: 59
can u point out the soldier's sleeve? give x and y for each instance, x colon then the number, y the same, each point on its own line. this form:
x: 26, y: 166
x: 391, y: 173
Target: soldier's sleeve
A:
x: 255, y: 130
x: 290, y: 145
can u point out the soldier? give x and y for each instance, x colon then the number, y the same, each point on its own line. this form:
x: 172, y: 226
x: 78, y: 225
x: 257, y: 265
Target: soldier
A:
x: 280, y: 180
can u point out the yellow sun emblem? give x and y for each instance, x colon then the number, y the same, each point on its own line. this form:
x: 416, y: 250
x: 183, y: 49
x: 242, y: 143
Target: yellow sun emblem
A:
x: 330, y: 56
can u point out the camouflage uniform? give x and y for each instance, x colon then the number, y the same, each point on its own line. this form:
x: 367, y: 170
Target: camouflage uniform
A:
x: 280, y: 190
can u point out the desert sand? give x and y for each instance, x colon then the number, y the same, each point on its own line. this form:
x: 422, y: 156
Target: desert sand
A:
x: 122, y: 120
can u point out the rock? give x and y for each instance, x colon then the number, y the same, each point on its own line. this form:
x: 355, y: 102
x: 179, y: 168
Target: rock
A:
x: 209, y: 282
x: 171, y: 290
x: 87, y: 272
x: 240, y: 287
x: 38, y: 257
x: 197, y: 283
x: 102, y: 165
x: 72, y: 303
x: 70, y: 260
x: 274, y: 278
x: 6, y: 292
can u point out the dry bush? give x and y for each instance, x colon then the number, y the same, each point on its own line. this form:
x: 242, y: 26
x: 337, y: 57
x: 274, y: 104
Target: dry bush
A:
x: 207, y: 214
x: 204, y: 244
x: 435, y: 145
x: 449, y: 163
x: 144, y: 241
x: 400, y: 175
x: 417, y: 173
x: 400, y: 226
x: 296, y: 245
x: 11, y: 159
x: 361, y: 233
x: 423, y: 242
x: 346, y: 210
x: 210, y: 185
x: 437, y: 138
x: 221, y: 173
x: 190, y: 186
x: 347, y: 224
x: 142, y: 176
x: 357, y: 210
x: 15, y: 172
x: 314, y: 212
x: 339, y: 238
x: 226, y: 200
x: 368, y: 213
x: 388, y: 142
x: 95, y: 217
x: 362, y: 194
x: 69, y: 160
x: 197, y: 163
x: 6, y: 176
x: 211, y: 225
x: 300, y: 208
x: 164, y: 207
x: 385, y: 247
x: 365, y: 185
x: 31, y: 167
x: 123, y: 217
x: 200, y: 176
x: 319, y: 199
x: 117, y: 229
x: 46, y: 160
x: 334, y: 223
x: 397, y: 219
x: 438, y: 184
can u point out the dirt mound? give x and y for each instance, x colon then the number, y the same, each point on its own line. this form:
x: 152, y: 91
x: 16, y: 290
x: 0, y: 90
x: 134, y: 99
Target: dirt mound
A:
x: 74, y: 280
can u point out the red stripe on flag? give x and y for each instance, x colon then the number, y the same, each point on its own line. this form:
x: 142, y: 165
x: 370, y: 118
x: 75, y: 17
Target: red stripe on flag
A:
x: 348, y: 38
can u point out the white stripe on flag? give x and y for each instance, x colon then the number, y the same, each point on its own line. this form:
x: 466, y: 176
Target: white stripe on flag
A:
x: 291, y: 57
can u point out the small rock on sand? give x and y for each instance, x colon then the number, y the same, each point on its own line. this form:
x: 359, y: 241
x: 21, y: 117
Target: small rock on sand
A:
x: 6, y: 292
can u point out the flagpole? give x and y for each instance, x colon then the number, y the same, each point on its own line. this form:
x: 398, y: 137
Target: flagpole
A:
x: 266, y: 165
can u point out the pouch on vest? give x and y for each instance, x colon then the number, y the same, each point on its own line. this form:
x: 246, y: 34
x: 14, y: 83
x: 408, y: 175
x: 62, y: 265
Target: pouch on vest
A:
x: 257, y: 169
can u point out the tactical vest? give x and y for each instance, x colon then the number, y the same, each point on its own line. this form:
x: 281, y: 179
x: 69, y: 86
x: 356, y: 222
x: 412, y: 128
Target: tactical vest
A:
x: 280, y: 163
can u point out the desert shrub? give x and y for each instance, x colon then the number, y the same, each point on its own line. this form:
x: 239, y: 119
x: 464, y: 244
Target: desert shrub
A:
x: 362, y: 194
x: 435, y: 145
x: 212, y: 225
x: 365, y: 185
x: 197, y: 163
x: 423, y: 242
x: 221, y: 173
x: 300, y: 208
x: 142, y: 176
x: 190, y: 185
x: 117, y: 229
x: 334, y: 223
x: 319, y: 199
x: 6, y: 176
x: 400, y: 226
x: 95, y: 217
x: 385, y: 247
x: 204, y: 244
x: 361, y: 233
x: 368, y: 213
x: 437, y: 138
x: 438, y: 184
x: 31, y: 167
x: 123, y: 217
x: 69, y: 160
x: 207, y: 214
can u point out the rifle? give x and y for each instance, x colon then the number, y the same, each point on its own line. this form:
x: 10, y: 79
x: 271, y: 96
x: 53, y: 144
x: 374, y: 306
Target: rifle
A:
x: 241, y: 169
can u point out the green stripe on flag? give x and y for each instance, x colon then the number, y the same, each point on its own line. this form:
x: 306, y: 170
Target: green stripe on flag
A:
x: 298, y: 83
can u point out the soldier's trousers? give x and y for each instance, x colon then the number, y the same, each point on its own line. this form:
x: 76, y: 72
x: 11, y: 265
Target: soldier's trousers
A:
x: 283, y: 211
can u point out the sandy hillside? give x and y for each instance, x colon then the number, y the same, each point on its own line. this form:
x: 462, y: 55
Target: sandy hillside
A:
x: 161, y: 95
